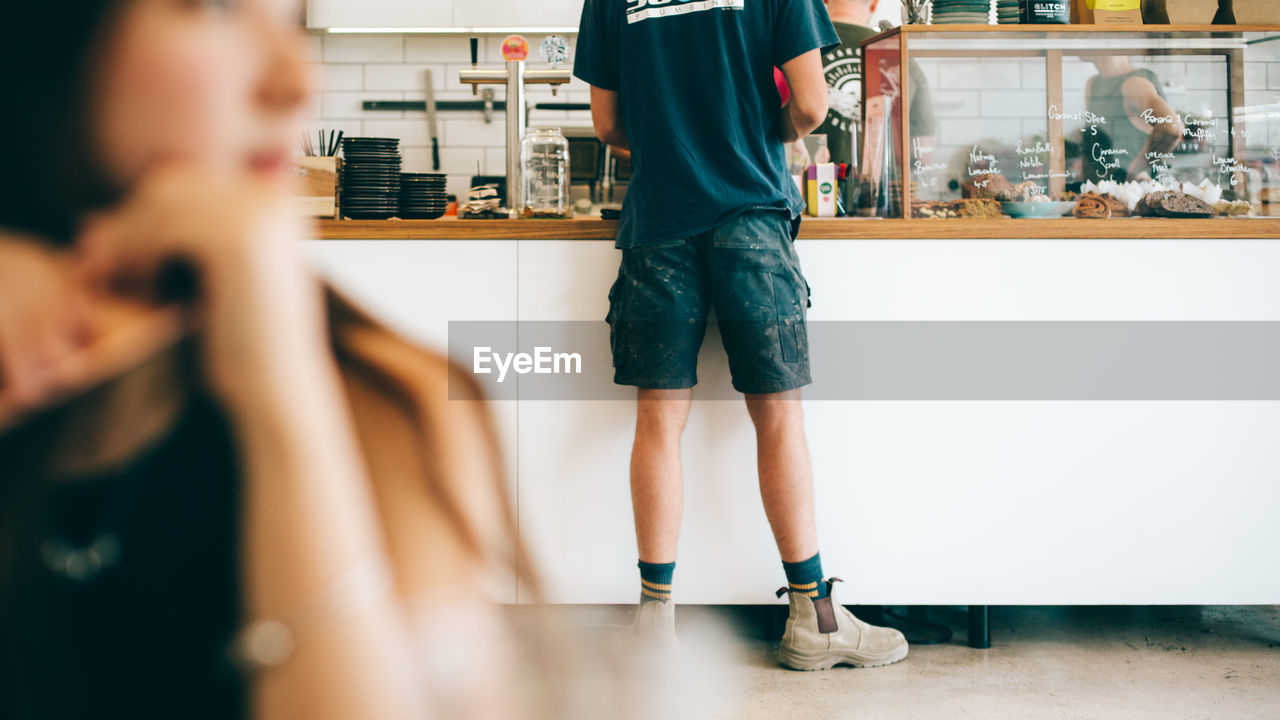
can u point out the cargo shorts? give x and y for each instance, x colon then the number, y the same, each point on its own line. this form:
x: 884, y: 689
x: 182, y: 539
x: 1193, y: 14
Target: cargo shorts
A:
x: 747, y: 271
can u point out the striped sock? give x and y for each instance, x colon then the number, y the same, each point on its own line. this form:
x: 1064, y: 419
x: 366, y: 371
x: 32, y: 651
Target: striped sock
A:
x: 805, y: 577
x: 655, y: 580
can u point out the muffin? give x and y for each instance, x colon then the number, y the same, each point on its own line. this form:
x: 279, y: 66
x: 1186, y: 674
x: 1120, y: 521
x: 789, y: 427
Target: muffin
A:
x: 994, y: 185
x: 978, y: 208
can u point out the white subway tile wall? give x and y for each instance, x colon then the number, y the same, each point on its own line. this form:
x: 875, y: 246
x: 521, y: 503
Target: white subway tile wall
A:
x: 350, y: 69
x: 979, y: 98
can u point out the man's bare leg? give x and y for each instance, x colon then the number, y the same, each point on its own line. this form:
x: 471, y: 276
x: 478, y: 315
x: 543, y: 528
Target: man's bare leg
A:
x: 657, y: 485
x: 786, y: 472
x: 820, y: 633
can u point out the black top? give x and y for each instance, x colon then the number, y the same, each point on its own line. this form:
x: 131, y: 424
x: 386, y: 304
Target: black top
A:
x: 697, y: 98
x: 146, y: 636
x: 1117, y: 142
x: 843, y: 69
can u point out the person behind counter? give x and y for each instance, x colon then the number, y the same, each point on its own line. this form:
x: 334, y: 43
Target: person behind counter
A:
x: 1134, y: 129
x: 709, y: 220
x: 843, y: 69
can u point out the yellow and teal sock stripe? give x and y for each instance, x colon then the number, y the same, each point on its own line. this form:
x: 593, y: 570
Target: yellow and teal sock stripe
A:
x: 655, y: 580
x: 805, y: 577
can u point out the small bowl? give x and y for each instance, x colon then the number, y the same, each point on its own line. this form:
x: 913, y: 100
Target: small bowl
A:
x: 1028, y: 209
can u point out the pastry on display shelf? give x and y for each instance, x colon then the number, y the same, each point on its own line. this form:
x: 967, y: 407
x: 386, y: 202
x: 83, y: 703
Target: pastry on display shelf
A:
x: 1233, y: 208
x: 1129, y: 192
x: 1173, y: 204
x: 979, y: 208
x: 1025, y: 191
x: 1132, y: 192
x: 1119, y: 208
x: 937, y: 209
x: 993, y: 185
x: 1092, y: 205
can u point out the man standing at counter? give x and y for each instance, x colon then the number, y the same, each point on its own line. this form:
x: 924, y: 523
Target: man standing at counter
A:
x: 709, y: 221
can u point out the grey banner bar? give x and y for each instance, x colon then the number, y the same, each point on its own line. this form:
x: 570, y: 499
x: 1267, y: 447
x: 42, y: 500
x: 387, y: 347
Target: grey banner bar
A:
x: 919, y: 360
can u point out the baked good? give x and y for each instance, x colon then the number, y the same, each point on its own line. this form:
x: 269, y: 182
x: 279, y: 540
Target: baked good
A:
x: 1092, y: 205
x: 1233, y: 207
x: 1119, y: 207
x: 979, y: 208
x: 933, y: 210
x: 1063, y: 196
x: 996, y: 185
x: 1173, y: 204
x: 1025, y: 191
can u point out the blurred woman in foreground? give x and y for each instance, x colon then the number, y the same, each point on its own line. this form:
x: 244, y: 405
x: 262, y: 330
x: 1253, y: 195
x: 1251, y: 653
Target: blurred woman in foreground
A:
x: 282, y: 514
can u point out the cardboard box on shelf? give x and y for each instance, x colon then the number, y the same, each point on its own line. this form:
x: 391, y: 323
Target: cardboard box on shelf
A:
x: 1113, y: 12
x: 1191, y: 12
x: 1256, y: 12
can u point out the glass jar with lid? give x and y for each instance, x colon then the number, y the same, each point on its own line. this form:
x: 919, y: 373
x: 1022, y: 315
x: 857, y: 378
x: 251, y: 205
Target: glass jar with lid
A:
x: 544, y: 159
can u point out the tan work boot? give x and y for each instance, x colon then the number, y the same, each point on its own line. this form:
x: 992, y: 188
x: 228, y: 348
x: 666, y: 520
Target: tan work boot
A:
x: 821, y: 634
x: 655, y: 625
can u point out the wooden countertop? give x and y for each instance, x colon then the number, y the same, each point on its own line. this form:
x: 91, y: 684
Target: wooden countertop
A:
x: 822, y: 229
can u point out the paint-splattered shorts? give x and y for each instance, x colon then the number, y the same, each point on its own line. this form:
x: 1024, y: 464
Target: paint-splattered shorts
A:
x: 748, y: 272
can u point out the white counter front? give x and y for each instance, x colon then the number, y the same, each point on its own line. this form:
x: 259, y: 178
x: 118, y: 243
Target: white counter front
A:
x: 919, y: 502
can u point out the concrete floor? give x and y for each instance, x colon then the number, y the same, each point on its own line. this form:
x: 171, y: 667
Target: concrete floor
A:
x: 1046, y: 662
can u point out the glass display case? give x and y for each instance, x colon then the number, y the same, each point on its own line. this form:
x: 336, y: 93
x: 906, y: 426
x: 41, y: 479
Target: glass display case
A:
x: 1063, y: 121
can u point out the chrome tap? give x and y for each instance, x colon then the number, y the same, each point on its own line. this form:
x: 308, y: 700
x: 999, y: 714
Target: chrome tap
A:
x: 515, y: 77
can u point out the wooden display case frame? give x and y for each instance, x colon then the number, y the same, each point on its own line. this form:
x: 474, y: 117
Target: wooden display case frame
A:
x: 1053, y: 80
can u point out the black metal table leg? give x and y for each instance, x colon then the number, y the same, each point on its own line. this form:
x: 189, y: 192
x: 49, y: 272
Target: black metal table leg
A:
x: 979, y: 627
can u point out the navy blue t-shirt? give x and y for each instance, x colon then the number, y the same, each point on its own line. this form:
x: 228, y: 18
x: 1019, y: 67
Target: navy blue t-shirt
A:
x: 698, y: 100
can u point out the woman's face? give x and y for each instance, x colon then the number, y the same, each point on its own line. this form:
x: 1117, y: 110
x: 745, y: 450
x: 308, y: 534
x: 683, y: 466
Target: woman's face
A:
x: 216, y: 83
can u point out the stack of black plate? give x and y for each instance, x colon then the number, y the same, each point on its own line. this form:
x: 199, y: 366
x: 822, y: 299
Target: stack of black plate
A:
x: 370, y: 178
x: 961, y: 12
x: 422, y: 196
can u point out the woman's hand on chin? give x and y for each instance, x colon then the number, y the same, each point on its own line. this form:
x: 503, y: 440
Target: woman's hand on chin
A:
x: 259, y: 307
x: 45, y: 318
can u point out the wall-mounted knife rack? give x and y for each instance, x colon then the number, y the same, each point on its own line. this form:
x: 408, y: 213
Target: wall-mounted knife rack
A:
x: 460, y: 105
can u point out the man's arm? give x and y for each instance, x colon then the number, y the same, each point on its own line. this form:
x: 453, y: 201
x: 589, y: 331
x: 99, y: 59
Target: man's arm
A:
x: 606, y: 118
x: 1139, y: 95
x: 808, y: 105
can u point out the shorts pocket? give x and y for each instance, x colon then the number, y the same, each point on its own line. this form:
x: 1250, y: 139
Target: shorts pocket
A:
x: 754, y: 230
x: 789, y: 306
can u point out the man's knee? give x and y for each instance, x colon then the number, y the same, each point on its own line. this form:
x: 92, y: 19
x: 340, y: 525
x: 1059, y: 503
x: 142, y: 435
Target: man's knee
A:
x: 662, y: 412
x: 775, y: 409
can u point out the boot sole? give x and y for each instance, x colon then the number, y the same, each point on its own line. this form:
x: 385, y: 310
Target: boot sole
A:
x: 826, y: 661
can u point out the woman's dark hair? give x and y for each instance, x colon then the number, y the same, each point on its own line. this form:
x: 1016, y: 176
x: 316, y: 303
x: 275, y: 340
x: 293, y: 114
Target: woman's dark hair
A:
x: 51, y: 173
x: 50, y: 178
